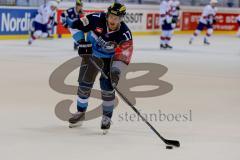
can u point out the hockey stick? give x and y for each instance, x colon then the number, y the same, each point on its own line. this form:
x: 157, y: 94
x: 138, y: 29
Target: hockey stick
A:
x: 174, y: 143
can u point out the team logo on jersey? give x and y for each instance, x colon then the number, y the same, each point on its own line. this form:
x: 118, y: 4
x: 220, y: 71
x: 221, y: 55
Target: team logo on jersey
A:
x: 85, y: 21
x: 99, y: 30
x: 107, y: 47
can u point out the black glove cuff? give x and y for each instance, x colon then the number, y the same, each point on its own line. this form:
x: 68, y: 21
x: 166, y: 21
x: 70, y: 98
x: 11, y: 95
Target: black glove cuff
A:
x: 84, y: 48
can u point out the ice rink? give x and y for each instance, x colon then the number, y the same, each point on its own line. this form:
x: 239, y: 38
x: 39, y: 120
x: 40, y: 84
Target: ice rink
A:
x: 206, y: 87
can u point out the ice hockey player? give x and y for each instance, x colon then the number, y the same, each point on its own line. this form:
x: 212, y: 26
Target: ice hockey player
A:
x: 45, y: 15
x: 50, y: 27
x: 175, y: 12
x: 238, y: 21
x: 111, y: 49
x: 52, y: 23
x: 207, y: 19
x: 166, y: 21
x: 74, y: 13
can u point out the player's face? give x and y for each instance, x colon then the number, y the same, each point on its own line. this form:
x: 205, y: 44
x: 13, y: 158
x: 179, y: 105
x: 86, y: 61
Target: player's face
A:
x: 53, y: 8
x: 113, y: 22
x: 214, y: 4
x: 79, y: 8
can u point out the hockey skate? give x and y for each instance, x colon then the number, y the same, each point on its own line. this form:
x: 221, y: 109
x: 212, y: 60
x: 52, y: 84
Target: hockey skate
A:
x: 105, y: 124
x: 76, y: 120
x: 75, y: 46
x: 30, y: 41
x: 190, y: 41
x: 206, y: 41
x: 168, y: 46
x: 162, y: 46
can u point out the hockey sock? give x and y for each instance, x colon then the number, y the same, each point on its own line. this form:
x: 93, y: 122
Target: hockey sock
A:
x: 82, y: 104
x: 168, y: 39
x: 207, y: 37
x: 163, y: 40
x: 195, y: 34
x: 108, y: 107
x: 209, y: 33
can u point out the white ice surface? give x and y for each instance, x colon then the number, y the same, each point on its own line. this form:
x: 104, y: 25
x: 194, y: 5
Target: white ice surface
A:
x: 206, y: 80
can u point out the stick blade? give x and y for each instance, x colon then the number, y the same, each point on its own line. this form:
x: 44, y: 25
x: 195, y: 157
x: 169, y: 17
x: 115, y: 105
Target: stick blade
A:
x: 173, y: 143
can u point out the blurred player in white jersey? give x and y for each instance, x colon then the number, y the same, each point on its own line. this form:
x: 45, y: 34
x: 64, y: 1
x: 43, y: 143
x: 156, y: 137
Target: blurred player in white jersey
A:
x: 207, y: 19
x: 52, y: 23
x: 45, y: 15
x: 238, y: 21
x: 175, y: 12
x: 166, y: 20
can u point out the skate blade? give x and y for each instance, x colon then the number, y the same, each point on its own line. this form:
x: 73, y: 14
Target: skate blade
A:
x: 206, y: 43
x: 105, y: 131
x: 79, y: 124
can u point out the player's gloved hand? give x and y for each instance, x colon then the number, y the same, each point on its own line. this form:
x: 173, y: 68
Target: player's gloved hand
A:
x: 84, y: 48
x: 214, y: 21
x: 69, y: 22
x: 64, y: 19
x: 115, y: 76
x: 168, y: 20
x: 178, y: 8
x: 174, y: 20
x: 55, y: 23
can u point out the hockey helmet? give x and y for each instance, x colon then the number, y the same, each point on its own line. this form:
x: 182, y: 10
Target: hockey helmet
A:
x: 117, y: 9
x: 79, y: 2
x: 53, y: 4
x: 213, y: 1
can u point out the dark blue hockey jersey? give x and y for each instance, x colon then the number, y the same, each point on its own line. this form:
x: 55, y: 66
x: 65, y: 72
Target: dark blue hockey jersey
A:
x: 105, y: 42
x: 74, y: 15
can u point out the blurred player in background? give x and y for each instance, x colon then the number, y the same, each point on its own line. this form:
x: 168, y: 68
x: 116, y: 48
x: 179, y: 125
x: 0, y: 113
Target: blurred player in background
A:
x: 52, y: 23
x: 175, y: 12
x: 166, y: 22
x: 45, y: 16
x: 110, y: 46
x: 238, y: 21
x: 74, y: 13
x: 207, y: 19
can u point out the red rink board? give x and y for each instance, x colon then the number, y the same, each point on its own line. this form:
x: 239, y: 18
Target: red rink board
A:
x: 63, y: 30
x: 225, y: 21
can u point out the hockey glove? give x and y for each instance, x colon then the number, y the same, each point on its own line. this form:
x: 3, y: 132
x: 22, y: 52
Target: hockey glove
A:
x: 174, y: 20
x: 55, y: 23
x: 214, y: 21
x: 115, y: 76
x: 51, y: 18
x: 84, y: 48
x: 64, y: 19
